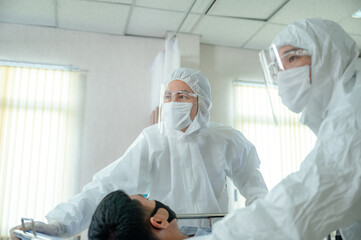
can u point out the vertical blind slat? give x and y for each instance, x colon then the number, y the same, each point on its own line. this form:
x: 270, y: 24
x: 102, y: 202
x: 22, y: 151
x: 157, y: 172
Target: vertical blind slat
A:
x: 281, y: 149
x: 38, y: 119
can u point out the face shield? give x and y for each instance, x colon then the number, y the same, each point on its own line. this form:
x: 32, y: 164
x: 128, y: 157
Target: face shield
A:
x: 270, y: 62
x: 270, y: 70
x: 273, y: 61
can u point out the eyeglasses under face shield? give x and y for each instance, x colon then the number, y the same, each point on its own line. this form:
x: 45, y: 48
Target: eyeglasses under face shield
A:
x: 272, y: 62
x: 179, y: 96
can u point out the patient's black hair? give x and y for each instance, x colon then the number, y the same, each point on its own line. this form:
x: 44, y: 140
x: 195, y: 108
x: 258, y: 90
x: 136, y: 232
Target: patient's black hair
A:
x: 119, y: 217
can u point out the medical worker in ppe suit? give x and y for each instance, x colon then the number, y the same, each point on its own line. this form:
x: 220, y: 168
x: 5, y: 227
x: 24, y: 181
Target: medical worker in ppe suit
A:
x: 318, y: 79
x: 183, y: 163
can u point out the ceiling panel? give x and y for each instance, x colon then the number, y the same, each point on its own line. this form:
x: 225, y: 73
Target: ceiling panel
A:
x: 335, y: 10
x: 357, y: 39
x: 174, y: 5
x: 36, y: 12
x: 111, y: 1
x: 264, y: 37
x: 351, y: 25
x: 201, y: 6
x: 226, y: 31
x: 255, y: 9
x: 153, y: 23
x: 190, y: 23
x: 223, y: 24
x: 93, y: 16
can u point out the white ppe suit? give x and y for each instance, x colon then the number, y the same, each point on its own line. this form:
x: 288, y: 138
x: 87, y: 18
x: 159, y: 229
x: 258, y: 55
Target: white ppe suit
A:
x: 325, y: 194
x: 185, y: 170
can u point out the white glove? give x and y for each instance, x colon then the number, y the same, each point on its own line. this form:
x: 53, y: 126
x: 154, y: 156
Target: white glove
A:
x: 54, y: 229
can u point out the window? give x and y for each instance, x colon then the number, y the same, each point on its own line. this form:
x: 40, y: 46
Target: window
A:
x: 39, y: 122
x: 281, y: 148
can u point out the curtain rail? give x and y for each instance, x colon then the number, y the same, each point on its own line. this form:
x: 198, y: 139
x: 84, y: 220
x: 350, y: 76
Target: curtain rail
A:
x: 12, y: 63
x: 248, y: 83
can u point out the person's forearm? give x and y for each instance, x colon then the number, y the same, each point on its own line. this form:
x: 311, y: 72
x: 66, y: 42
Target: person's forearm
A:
x: 53, y: 229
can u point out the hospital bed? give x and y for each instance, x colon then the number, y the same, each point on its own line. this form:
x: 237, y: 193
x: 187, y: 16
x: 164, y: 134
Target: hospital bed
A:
x: 210, y: 216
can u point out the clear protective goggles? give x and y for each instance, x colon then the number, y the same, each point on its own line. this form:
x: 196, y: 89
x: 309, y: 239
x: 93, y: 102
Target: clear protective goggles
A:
x: 179, y: 96
x: 272, y: 62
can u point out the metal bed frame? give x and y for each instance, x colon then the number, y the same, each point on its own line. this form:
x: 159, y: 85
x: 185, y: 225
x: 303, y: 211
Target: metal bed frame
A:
x: 209, y: 216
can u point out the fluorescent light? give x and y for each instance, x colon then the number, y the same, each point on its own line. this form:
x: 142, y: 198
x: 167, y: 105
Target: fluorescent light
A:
x: 357, y: 14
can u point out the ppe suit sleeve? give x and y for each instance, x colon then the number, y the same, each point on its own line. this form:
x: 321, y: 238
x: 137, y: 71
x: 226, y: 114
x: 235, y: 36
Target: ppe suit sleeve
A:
x: 129, y: 173
x: 245, y: 172
x: 324, y: 195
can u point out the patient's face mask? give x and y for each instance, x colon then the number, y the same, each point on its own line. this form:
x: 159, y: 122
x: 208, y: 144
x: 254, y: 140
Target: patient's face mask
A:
x: 176, y: 115
x: 294, y: 87
x: 171, y: 213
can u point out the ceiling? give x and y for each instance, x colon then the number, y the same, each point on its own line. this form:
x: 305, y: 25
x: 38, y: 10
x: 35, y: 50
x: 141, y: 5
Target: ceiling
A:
x: 250, y: 24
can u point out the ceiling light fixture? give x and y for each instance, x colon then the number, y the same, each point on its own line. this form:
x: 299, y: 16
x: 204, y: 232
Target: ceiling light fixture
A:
x: 357, y: 14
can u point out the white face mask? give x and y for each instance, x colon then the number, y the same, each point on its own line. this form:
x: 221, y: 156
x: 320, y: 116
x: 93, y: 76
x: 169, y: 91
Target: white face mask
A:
x: 294, y: 87
x: 176, y: 115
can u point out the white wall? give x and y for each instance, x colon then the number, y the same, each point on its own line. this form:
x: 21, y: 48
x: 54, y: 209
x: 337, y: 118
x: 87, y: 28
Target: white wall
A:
x: 223, y: 65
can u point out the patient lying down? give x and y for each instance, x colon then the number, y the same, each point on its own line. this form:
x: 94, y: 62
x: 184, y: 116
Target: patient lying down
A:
x: 119, y: 216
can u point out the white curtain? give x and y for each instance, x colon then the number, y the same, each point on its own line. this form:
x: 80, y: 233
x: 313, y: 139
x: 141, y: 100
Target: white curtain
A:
x: 171, y: 55
x: 39, y: 126
x: 165, y: 62
x: 282, y: 148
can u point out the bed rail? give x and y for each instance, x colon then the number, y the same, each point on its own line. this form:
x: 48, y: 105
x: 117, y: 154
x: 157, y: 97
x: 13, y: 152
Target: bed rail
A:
x: 209, y: 216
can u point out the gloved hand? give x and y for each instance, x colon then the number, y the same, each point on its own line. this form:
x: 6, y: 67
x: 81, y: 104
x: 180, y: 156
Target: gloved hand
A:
x: 55, y: 229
